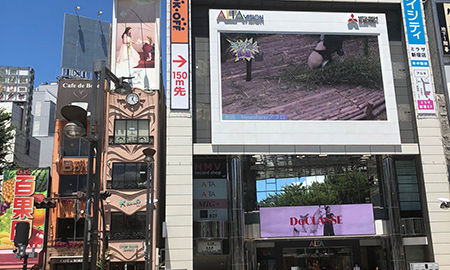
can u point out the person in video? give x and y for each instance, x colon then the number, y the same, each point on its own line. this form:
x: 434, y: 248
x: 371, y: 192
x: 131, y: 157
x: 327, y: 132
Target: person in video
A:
x: 149, y: 49
x: 328, y: 229
x: 127, y: 55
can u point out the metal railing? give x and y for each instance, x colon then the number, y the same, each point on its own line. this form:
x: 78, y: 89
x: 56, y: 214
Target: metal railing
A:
x: 412, y: 226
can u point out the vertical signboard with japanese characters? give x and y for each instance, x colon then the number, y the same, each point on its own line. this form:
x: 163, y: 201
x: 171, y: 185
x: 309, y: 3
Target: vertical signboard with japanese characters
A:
x: 418, y: 56
x: 443, y: 11
x: 179, y: 51
x: 210, y: 189
x: 21, y: 189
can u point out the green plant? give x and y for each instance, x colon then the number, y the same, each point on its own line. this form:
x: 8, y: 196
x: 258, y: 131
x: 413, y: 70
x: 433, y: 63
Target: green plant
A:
x: 108, y: 256
x: 357, y: 70
x: 6, y: 136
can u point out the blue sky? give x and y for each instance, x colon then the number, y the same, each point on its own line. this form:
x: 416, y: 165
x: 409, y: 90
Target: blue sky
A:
x: 32, y: 32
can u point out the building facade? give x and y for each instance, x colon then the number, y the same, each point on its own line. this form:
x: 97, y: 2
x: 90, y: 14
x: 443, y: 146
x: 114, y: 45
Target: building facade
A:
x: 16, y: 97
x: 128, y: 130
x: 312, y: 138
x: 44, y: 106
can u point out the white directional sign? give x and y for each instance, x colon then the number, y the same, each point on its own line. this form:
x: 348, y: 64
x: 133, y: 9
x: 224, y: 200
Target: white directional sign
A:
x: 179, y: 77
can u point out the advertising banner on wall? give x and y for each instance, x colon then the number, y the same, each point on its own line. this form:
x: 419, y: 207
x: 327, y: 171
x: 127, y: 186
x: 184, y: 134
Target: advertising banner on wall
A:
x: 21, y: 189
x: 210, y: 189
x: 322, y: 220
x: 137, y: 43
x: 418, y: 56
x: 314, y: 82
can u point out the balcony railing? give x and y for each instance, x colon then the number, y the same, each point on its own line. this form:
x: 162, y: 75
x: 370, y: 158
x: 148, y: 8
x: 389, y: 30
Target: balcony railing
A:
x: 67, y: 242
x: 150, y: 140
x: 125, y: 185
x: 412, y: 226
x: 126, y: 235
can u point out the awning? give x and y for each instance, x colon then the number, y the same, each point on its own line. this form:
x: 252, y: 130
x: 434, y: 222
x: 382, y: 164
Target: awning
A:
x: 9, y: 261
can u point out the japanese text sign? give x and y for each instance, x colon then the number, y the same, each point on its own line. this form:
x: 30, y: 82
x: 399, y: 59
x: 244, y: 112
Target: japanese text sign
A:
x: 179, y: 18
x: 21, y: 189
x: 179, y: 77
x: 414, y: 21
x: 444, y: 25
x: 418, y: 56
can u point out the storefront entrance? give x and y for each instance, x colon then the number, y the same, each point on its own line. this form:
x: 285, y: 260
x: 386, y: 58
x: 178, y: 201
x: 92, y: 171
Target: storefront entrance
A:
x: 310, y: 255
x: 323, y: 258
x: 127, y: 266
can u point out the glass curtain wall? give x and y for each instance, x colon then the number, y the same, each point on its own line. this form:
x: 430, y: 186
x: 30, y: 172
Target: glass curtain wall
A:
x: 314, y: 180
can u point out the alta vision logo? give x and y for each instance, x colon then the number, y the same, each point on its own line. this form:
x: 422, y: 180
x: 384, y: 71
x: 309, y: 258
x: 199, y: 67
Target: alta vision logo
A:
x: 235, y: 16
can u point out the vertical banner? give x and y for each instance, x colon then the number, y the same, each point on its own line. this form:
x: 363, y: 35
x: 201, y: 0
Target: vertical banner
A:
x: 210, y: 189
x: 418, y: 56
x: 21, y: 189
x: 443, y: 11
x: 179, y: 51
x: 137, y: 43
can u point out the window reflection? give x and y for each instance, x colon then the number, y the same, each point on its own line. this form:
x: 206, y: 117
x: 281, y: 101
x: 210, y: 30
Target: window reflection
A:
x: 131, y: 131
x: 129, y: 175
x: 313, y: 180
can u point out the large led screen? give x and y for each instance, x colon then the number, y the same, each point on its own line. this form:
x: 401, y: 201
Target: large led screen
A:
x: 291, y: 78
x: 317, y: 220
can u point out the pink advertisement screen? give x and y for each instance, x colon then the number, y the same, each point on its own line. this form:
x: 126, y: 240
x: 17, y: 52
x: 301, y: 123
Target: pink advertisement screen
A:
x: 323, y: 220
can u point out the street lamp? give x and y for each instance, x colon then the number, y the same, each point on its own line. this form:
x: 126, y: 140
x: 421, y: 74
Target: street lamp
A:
x: 77, y: 128
x: 149, y: 159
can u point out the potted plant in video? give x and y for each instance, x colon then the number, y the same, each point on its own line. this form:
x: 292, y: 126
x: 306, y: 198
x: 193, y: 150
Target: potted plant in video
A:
x: 245, y: 51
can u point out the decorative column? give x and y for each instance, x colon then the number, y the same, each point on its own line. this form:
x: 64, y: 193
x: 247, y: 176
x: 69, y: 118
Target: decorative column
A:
x: 237, y: 233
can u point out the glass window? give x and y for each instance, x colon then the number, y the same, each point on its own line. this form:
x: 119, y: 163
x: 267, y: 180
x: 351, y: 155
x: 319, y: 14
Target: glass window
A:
x: 143, y: 131
x: 75, y: 147
x: 131, y: 131
x: 69, y: 184
x: 68, y: 229
x: 408, y: 188
x: 302, y: 180
x: 129, y: 175
x: 127, y: 227
x: 119, y: 131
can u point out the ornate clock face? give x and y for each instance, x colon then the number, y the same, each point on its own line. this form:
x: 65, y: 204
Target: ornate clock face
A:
x: 132, y: 98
